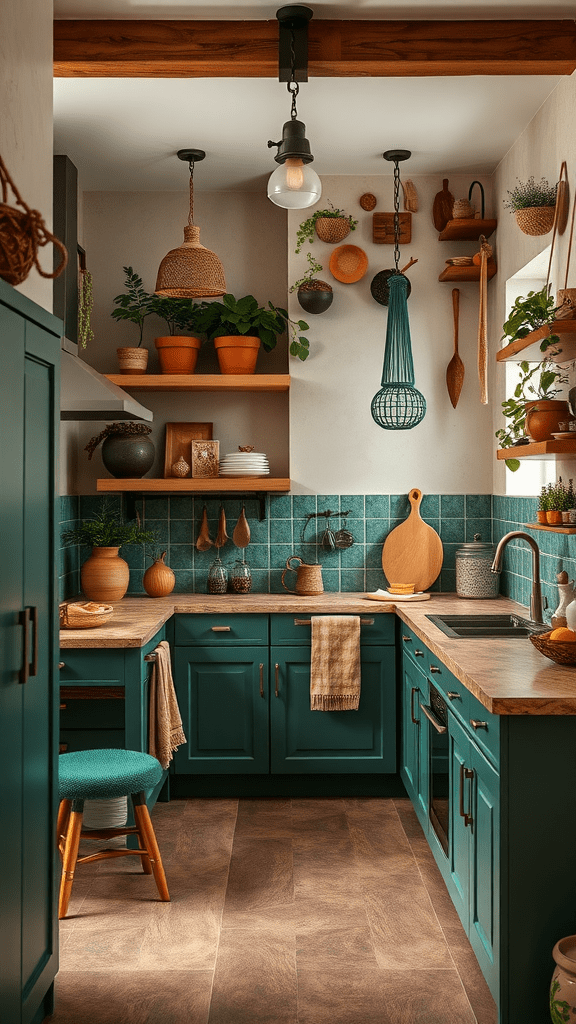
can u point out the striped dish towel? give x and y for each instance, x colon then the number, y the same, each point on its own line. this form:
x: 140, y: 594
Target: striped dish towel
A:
x: 335, y: 663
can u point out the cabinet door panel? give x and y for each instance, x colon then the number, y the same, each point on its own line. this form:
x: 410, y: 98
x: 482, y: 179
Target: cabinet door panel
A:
x: 459, y: 837
x: 414, y: 771
x: 305, y: 741
x: 225, y: 718
x: 485, y: 867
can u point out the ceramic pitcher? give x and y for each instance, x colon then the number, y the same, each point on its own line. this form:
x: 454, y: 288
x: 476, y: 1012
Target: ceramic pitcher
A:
x: 308, y: 577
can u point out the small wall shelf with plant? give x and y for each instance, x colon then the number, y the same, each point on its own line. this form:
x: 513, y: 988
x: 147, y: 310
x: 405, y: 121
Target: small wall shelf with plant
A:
x: 534, y: 412
x: 533, y: 330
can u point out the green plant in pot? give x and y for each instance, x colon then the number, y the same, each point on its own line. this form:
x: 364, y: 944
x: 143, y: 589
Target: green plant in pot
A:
x: 533, y: 410
x: 533, y: 204
x: 104, y: 576
x: 331, y: 225
x: 178, y: 350
x: 239, y: 326
x: 134, y: 305
x: 529, y: 313
x: 127, y: 451
x: 314, y: 295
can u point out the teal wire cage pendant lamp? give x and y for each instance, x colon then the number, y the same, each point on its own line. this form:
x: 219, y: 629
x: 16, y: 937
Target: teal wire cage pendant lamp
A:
x: 398, y: 405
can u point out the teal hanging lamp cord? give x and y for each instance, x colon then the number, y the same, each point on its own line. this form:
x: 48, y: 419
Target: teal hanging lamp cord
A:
x: 398, y: 405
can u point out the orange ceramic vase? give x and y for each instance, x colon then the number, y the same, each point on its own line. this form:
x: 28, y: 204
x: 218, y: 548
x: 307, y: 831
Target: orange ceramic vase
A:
x: 104, y: 575
x: 543, y: 417
x: 178, y: 353
x: 159, y: 580
x: 237, y: 355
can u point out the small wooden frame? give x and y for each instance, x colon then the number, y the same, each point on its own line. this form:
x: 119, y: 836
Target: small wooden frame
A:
x: 179, y: 437
x: 383, y: 228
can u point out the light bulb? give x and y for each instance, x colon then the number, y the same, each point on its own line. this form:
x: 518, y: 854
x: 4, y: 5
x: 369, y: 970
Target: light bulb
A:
x: 294, y: 185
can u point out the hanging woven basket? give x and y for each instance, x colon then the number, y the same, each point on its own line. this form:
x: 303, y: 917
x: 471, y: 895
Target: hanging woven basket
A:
x: 22, y: 232
x: 535, y: 220
x: 332, y: 229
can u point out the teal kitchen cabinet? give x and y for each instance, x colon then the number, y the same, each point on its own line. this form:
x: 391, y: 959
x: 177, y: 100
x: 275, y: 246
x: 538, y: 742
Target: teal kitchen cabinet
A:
x: 414, y: 756
x: 29, y: 419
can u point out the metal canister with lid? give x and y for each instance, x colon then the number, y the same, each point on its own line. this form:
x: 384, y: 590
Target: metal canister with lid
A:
x: 474, y: 577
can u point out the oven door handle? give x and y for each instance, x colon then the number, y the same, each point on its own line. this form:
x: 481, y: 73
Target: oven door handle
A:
x: 432, y: 718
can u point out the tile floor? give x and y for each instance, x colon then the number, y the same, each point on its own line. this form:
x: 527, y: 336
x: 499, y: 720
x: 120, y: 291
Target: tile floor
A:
x: 283, y: 911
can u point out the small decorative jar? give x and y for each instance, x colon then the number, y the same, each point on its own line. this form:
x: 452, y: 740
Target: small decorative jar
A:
x: 180, y: 468
x: 241, y: 577
x: 217, y: 577
x: 474, y: 578
x: 563, y: 986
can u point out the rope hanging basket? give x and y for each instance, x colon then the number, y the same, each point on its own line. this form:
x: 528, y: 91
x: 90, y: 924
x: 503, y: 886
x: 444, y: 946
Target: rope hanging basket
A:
x: 332, y: 229
x: 535, y: 220
x: 22, y: 232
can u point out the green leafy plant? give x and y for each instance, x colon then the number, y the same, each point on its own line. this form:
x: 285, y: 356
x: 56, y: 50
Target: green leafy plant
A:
x: 106, y: 529
x: 135, y: 304
x: 540, y: 381
x: 305, y: 232
x: 530, y: 193
x: 529, y: 313
x: 313, y: 268
x: 237, y: 317
x: 180, y: 315
x: 543, y: 503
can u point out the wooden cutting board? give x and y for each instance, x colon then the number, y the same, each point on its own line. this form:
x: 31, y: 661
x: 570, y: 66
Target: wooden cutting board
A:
x: 413, y: 552
x: 442, y: 207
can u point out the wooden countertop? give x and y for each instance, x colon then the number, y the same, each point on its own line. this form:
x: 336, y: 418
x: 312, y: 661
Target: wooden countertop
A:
x: 508, y: 676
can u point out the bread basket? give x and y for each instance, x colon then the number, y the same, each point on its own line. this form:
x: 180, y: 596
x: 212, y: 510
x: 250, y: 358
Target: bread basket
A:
x: 85, y: 615
x: 563, y: 652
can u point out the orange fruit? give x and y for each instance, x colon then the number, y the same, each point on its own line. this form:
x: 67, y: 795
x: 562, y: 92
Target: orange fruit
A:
x: 562, y: 633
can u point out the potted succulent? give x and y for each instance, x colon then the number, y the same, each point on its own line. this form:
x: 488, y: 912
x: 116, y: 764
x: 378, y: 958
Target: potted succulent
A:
x: 527, y: 314
x: 178, y: 351
x: 533, y: 204
x: 314, y: 296
x: 127, y: 452
x: 134, y: 305
x: 533, y: 409
x: 239, y: 326
x: 331, y: 225
x: 105, y: 576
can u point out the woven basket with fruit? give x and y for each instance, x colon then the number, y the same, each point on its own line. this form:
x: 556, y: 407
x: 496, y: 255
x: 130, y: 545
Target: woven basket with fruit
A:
x: 558, y: 644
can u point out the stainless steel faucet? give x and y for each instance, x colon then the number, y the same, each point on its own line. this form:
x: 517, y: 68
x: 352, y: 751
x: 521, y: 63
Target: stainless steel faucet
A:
x: 536, y: 595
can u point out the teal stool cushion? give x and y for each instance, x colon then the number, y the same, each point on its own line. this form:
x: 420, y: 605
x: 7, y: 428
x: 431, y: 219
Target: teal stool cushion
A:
x: 100, y: 774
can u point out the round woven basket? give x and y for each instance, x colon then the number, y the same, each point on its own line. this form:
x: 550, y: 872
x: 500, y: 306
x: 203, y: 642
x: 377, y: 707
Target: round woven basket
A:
x: 535, y: 220
x: 332, y: 229
x: 563, y: 652
x: 85, y: 615
x: 348, y: 263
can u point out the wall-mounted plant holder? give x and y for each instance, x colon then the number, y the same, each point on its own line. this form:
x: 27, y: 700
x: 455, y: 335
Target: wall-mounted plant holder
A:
x: 315, y: 296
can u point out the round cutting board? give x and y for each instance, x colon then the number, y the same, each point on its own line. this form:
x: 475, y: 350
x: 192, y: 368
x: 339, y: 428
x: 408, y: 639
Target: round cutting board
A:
x: 413, y: 552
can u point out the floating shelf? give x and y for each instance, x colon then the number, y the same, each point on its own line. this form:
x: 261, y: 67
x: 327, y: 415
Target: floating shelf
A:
x: 538, y: 450
x: 201, y: 382
x: 529, y: 347
x: 205, y: 485
x: 551, y: 529
x: 467, y: 229
x: 452, y: 273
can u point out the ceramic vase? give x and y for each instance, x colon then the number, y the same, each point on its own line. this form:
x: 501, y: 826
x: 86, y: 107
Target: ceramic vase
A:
x: 128, y: 455
x: 159, y: 579
x: 104, y: 575
x: 543, y: 417
x: 563, y: 986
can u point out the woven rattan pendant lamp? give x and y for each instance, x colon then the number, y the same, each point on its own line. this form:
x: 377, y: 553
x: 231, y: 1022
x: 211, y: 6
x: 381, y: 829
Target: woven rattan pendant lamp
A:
x: 191, y: 271
x: 398, y: 405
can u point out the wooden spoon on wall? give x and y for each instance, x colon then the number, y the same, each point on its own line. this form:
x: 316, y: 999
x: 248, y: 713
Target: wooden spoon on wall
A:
x: 221, y: 536
x: 241, y: 535
x: 204, y: 541
x: 455, y: 369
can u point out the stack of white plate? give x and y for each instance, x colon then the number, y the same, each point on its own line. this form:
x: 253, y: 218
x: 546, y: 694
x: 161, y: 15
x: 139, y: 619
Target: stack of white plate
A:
x: 244, y: 464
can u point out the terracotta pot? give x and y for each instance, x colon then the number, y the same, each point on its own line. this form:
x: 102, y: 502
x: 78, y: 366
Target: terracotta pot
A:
x: 543, y: 417
x: 104, y: 575
x: 553, y: 518
x: 563, y: 986
x: 132, y: 360
x: 541, y: 515
x: 237, y: 355
x: 315, y: 296
x: 159, y: 580
x: 178, y: 353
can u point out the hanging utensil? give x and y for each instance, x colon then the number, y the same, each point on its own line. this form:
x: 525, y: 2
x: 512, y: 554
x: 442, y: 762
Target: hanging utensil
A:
x: 485, y: 253
x: 204, y: 541
x: 455, y: 369
x: 343, y: 538
x: 328, y: 540
x: 241, y: 535
x: 442, y: 207
x: 221, y: 537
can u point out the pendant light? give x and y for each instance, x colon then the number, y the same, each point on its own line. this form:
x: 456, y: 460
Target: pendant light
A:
x: 398, y: 405
x: 191, y: 271
x: 294, y: 185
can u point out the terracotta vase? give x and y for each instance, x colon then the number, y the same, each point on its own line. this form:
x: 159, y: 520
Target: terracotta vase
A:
x: 178, y: 353
x: 541, y: 515
x: 237, y: 355
x: 563, y: 986
x: 104, y: 575
x: 132, y: 360
x: 543, y: 417
x: 553, y: 518
x: 159, y: 580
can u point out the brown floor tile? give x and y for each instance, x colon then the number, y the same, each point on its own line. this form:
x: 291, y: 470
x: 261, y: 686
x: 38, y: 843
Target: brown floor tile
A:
x: 264, y: 818
x: 407, y: 815
x: 182, y: 937
x: 333, y: 935
x: 255, y: 978
x: 404, y: 927
x: 326, y: 876
x: 260, y: 875
x: 104, y: 942
x: 334, y: 997
x: 425, y: 997
x: 117, y: 997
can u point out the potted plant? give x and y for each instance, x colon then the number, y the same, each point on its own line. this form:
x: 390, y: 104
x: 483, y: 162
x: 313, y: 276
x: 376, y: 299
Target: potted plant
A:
x: 178, y: 351
x: 529, y: 313
x: 238, y: 326
x: 542, y: 505
x: 331, y: 225
x: 533, y: 204
x: 533, y: 410
x: 134, y: 305
x: 105, y: 576
x: 314, y: 296
x: 127, y: 452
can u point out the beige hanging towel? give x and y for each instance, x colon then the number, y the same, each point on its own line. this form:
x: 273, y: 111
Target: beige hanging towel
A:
x: 335, y: 663
x: 165, y: 733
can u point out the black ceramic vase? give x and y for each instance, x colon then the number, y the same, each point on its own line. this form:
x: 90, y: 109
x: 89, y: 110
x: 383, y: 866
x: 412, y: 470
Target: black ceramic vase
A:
x: 126, y: 455
x: 315, y: 299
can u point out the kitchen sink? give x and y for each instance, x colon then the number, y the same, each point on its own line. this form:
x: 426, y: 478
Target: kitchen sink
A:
x: 486, y: 625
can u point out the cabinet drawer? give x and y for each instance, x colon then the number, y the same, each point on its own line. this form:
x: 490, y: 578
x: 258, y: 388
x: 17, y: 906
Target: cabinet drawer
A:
x: 92, y: 714
x: 220, y: 629
x: 92, y: 666
x: 413, y: 647
x: 296, y: 628
x: 484, y: 727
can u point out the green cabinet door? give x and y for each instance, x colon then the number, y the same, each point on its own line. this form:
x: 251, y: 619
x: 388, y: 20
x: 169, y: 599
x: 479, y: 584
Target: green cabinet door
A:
x: 414, y: 767
x: 460, y: 818
x: 315, y: 742
x: 223, y: 697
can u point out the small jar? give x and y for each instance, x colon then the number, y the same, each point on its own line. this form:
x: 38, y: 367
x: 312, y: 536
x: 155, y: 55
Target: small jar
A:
x: 241, y: 577
x: 217, y: 577
x: 474, y: 576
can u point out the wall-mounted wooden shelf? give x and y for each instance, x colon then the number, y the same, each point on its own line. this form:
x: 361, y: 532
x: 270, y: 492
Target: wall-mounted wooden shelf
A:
x: 550, y: 529
x: 205, y: 485
x: 538, y: 450
x: 452, y: 273
x: 529, y: 347
x: 200, y: 382
x: 466, y: 229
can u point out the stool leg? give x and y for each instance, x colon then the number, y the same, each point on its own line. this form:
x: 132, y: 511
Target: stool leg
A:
x: 148, y: 842
x: 62, y: 823
x: 70, y: 856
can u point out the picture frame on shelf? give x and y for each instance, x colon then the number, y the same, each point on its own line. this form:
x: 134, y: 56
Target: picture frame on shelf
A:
x: 205, y: 457
x: 179, y: 437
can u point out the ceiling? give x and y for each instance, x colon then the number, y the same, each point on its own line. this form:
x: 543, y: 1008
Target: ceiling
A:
x: 123, y: 133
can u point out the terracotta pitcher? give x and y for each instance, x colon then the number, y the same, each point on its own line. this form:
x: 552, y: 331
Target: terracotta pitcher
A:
x: 308, y: 577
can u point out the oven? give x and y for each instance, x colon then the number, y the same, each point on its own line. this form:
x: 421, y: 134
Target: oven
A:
x: 436, y: 712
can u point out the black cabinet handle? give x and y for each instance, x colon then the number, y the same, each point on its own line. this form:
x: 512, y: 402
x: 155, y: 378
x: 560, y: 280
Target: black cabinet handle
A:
x: 24, y: 620
x: 276, y: 671
x: 261, y: 680
x: 465, y: 773
x: 416, y: 721
x: 33, y: 669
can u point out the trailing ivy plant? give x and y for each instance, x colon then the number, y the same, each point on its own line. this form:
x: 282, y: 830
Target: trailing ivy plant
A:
x: 305, y: 232
x: 529, y: 388
x: 313, y: 268
x: 529, y: 313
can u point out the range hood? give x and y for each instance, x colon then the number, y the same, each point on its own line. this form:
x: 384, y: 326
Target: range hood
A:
x: 86, y: 395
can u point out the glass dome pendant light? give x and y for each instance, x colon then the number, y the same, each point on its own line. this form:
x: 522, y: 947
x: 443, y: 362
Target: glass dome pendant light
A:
x: 293, y: 185
x: 398, y: 405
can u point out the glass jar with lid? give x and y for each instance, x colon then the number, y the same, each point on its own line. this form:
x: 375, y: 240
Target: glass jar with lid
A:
x: 241, y: 577
x: 217, y: 577
x: 474, y: 578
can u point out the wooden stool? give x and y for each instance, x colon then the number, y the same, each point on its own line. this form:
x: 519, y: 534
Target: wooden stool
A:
x: 101, y: 775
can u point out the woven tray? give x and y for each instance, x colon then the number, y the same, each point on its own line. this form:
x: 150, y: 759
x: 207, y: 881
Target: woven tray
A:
x: 85, y: 615
x: 563, y: 652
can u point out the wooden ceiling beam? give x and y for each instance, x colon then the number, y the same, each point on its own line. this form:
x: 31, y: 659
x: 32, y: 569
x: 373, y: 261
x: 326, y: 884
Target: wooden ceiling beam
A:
x: 337, y: 49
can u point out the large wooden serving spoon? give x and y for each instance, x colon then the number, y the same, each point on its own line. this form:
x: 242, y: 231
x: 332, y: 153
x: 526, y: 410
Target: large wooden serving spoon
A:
x: 241, y: 535
x: 221, y: 536
x: 455, y: 368
x: 204, y: 541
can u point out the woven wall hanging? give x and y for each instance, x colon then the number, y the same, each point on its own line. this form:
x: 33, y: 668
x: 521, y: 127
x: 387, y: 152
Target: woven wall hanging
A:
x: 22, y: 233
